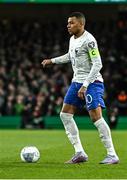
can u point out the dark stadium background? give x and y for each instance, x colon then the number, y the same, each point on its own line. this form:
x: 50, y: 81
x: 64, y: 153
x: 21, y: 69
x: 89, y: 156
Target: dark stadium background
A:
x: 30, y: 96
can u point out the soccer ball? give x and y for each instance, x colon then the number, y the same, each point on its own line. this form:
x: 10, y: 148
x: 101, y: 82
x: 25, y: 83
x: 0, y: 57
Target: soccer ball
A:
x: 30, y: 154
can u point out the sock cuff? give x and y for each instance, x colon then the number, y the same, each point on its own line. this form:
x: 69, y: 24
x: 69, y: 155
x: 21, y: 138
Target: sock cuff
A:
x: 99, y: 121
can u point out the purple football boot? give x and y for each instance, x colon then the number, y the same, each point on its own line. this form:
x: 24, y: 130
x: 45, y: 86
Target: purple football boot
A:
x: 79, y: 157
x: 110, y: 160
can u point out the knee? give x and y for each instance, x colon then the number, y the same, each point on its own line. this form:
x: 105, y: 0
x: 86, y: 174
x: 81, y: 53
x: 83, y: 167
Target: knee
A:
x: 95, y: 118
x: 62, y: 115
x: 65, y: 117
x: 95, y: 114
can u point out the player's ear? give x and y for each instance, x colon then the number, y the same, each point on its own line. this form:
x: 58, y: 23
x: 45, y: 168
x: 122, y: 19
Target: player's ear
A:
x: 81, y: 22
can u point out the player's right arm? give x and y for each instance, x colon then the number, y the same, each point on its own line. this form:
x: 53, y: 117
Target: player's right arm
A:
x: 57, y: 60
x: 46, y: 62
x: 61, y: 59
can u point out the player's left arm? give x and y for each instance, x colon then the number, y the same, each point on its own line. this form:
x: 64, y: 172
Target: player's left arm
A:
x: 95, y: 58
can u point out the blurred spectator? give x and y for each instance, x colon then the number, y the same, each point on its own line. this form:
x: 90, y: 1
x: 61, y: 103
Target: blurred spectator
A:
x: 58, y: 105
x: 121, y: 102
x: 113, y: 117
x: 38, y: 120
x: 27, y: 118
x: 9, y: 106
x: 19, y: 105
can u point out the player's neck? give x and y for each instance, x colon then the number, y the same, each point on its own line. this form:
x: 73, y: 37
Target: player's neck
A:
x: 79, y: 34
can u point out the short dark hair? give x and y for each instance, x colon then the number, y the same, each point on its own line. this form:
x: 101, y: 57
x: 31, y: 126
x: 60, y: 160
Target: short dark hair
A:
x: 78, y: 15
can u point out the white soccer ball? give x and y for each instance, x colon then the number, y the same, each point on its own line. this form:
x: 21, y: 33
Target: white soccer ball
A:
x: 30, y: 154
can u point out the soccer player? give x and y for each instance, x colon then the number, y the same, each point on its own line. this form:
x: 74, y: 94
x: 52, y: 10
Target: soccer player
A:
x: 86, y: 88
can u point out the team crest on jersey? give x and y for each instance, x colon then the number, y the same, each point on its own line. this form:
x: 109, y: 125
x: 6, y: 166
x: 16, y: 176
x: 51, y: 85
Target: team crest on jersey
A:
x: 91, y: 44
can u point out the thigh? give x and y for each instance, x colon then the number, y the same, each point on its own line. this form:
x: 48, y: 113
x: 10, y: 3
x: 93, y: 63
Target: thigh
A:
x: 95, y: 114
x: 72, y: 98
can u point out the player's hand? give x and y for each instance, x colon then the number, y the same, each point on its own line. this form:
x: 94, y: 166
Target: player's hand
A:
x: 46, y: 62
x: 81, y: 93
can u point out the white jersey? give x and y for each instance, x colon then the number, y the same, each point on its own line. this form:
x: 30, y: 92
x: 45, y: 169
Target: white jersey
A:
x: 85, y: 59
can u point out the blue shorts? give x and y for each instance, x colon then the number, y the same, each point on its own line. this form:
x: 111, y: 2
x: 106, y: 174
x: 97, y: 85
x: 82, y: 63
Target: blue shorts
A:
x: 93, y: 96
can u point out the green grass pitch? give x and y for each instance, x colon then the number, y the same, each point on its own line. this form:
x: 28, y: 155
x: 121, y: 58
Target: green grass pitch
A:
x: 55, y: 149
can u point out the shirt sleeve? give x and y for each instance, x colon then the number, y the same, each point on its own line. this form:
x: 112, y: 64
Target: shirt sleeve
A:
x: 61, y: 59
x: 95, y: 59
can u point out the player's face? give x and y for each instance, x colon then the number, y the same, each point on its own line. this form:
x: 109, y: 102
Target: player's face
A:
x: 74, y: 25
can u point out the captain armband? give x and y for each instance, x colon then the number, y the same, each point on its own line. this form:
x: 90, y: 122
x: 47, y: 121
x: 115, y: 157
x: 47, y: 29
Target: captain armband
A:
x: 94, y: 53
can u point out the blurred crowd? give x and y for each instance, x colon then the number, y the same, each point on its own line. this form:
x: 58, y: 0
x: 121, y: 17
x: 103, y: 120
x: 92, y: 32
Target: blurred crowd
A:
x: 29, y: 90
